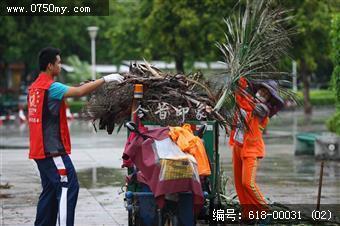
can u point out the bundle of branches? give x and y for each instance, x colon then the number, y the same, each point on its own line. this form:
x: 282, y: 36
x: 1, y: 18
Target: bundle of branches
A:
x: 255, y: 40
x: 257, y: 37
x: 168, y: 99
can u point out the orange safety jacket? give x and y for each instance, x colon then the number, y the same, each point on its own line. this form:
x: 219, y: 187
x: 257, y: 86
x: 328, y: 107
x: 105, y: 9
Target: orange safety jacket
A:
x: 253, y: 145
x: 189, y: 143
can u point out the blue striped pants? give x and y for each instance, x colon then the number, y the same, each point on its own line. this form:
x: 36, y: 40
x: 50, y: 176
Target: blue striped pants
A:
x: 58, y: 198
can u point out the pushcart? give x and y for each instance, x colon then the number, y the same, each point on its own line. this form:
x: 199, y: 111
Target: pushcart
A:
x: 141, y: 203
x: 178, y: 209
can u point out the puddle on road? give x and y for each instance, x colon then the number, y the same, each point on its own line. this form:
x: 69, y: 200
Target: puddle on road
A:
x: 101, y: 177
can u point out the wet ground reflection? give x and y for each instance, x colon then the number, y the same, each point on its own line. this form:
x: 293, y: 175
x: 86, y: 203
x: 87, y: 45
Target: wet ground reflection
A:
x: 281, y: 175
x: 101, y: 177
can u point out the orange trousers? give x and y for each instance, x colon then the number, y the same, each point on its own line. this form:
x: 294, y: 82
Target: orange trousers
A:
x: 249, y: 195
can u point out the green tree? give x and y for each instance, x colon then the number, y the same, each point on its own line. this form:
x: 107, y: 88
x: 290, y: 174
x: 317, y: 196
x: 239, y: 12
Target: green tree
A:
x: 183, y: 31
x: 333, y: 123
x: 81, y: 70
x: 311, y: 44
x: 335, y: 34
x: 23, y: 37
x: 123, y: 31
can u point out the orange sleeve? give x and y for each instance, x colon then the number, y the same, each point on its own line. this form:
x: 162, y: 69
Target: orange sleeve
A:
x: 243, y: 99
x: 264, y: 122
x: 242, y: 82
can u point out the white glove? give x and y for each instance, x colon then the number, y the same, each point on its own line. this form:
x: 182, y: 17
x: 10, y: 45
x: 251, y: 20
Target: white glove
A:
x: 261, y: 110
x: 113, y: 78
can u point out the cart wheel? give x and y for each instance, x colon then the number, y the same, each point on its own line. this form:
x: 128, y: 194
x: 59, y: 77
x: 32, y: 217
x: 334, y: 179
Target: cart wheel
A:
x: 134, y: 219
x: 130, y: 218
x: 212, y: 206
x: 172, y: 220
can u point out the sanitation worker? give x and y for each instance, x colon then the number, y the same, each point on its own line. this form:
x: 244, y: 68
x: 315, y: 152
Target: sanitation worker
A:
x: 49, y: 137
x: 247, y: 143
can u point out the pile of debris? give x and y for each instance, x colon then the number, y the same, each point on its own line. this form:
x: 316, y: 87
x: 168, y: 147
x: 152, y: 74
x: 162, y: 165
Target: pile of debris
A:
x: 168, y: 99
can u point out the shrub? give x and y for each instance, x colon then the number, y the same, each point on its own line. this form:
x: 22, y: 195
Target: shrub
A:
x: 320, y: 97
x: 333, y: 124
x: 76, y: 106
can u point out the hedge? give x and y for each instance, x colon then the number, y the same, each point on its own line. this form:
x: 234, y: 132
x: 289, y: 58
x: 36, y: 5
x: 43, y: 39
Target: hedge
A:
x: 76, y: 106
x: 333, y: 124
x: 319, y: 97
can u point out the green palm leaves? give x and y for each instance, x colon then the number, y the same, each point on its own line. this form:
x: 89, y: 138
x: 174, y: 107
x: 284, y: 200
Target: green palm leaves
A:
x: 255, y: 39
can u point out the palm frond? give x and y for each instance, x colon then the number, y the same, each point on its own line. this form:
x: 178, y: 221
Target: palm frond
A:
x: 255, y: 40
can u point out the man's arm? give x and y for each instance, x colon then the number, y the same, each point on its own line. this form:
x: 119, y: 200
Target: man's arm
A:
x: 84, y: 89
x: 91, y: 86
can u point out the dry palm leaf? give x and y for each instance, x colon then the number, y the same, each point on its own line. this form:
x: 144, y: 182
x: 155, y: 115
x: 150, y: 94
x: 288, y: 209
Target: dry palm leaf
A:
x: 168, y: 99
x: 255, y: 40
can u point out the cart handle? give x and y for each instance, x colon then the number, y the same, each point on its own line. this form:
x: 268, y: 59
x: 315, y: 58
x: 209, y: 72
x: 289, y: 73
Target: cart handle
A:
x: 132, y: 127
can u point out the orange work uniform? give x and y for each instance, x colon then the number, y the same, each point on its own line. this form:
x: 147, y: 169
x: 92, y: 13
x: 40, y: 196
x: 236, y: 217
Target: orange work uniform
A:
x: 246, y: 152
x: 189, y: 143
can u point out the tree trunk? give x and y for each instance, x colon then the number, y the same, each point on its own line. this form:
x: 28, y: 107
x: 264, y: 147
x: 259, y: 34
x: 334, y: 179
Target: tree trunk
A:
x: 306, y: 83
x: 179, y: 60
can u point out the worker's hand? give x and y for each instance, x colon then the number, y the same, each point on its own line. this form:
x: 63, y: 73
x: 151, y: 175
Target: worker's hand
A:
x: 261, y: 110
x: 113, y: 78
x: 208, y: 109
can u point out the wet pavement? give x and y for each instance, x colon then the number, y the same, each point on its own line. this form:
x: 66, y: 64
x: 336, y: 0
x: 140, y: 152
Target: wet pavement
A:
x: 282, y: 176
